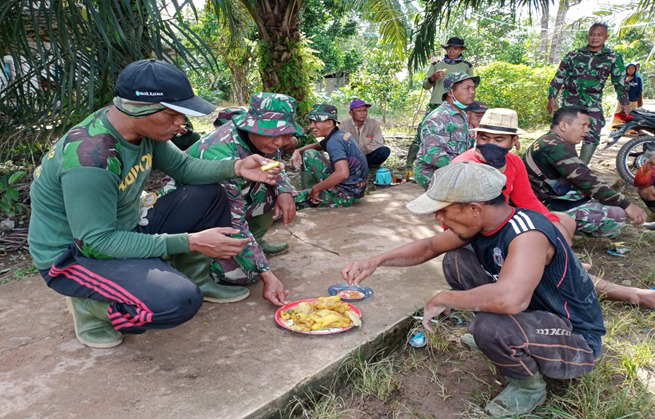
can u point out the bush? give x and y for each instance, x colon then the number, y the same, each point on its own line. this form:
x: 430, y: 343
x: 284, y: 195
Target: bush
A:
x: 517, y: 87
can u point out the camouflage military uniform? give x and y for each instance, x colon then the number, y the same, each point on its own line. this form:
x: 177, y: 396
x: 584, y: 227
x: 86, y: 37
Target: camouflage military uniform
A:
x: 339, y: 145
x: 582, y: 75
x: 564, y: 183
x: 444, y: 135
x: 249, y: 199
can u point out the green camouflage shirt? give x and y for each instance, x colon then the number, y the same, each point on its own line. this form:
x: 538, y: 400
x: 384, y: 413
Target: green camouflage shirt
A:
x: 556, y: 172
x: 444, y: 135
x: 245, y: 196
x: 582, y: 75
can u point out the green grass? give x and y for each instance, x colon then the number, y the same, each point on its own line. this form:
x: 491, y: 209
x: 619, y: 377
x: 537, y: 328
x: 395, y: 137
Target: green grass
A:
x: 373, y: 376
x: 19, y: 274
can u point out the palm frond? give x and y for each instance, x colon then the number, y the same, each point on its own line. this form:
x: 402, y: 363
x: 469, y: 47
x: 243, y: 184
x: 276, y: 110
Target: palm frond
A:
x: 392, y: 19
x: 66, y: 55
x: 437, y: 12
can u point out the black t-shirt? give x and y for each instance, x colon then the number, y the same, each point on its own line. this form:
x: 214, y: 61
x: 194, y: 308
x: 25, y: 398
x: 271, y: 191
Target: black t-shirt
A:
x: 565, y: 288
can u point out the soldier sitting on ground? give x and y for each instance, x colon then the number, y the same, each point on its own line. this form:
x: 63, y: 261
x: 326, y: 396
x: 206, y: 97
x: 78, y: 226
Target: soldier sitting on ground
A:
x: 565, y: 183
x: 444, y: 133
x: 337, y: 182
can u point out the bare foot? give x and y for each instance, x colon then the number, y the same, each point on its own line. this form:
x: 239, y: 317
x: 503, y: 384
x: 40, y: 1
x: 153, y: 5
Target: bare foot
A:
x: 586, y: 266
x: 646, y: 298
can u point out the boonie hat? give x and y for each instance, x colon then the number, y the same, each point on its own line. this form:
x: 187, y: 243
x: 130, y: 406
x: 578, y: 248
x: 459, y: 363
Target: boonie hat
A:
x: 454, y: 78
x: 270, y: 115
x: 154, y: 81
x: 225, y: 115
x: 359, y: 102
x: 500, y: 121
x: 460, y: 182
x: 455, y: 42
x: 323, y: 112
x: 477, y: 106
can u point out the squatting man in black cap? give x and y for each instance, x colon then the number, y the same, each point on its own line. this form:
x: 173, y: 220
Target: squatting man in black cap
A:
x: 537, y: 311
x: 94, y: 238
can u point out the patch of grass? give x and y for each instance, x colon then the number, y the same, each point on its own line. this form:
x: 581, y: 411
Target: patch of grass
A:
x: 22, y: 273
x: 323, y: 405
x: 373, y: 376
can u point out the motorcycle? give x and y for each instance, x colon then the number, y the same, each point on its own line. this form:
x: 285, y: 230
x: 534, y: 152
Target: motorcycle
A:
x: 633, y: 154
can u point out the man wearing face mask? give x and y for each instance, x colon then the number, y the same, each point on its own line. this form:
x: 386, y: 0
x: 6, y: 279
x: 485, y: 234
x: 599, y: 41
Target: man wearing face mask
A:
x: 444, y: 134
x: 564, y: 183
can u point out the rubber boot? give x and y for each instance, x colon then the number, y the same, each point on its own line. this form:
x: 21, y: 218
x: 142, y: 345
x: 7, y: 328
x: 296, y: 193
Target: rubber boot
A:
x: 412, y: 153
x: 258, y: 226
x: 468, y: 340
x: 307, y: 180
x: 586, y: 152
x: 92, y: 325
x: 519, y: 397
x: 195, y: 266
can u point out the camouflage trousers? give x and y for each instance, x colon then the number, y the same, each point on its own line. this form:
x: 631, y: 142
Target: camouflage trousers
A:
x: 416, y: 144
x: 315, y: 163
x: 423, y: 174
x: 242, y: 269
x: 598, y: 220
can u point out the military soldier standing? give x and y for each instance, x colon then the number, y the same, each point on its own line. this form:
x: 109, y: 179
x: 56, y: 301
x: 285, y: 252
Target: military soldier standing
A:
x: 453, y: 62
x: 581, y: 77
x: 444, y: 134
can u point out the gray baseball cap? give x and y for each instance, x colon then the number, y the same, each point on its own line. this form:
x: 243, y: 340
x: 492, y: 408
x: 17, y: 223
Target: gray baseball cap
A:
x: 459, y: 183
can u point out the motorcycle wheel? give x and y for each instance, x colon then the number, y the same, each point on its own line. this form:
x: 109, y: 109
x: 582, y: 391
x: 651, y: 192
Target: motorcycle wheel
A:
x: 633, y: 155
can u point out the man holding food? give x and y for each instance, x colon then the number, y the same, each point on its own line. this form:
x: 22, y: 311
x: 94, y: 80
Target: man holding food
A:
x: 538, y: 313
x: 94, y: 238
x: 338, y: 180
x: 263, y: 130
x: 452, y: 62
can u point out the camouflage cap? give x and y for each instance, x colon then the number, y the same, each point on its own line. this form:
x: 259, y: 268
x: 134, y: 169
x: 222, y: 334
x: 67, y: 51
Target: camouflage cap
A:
x: 454, y: 78
x: 225, y: 115
x: 270, y: 115
x: 323, y: 112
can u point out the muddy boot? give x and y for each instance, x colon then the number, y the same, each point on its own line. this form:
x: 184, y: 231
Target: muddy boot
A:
x: 195, y: 266
x: 519, y: 397
x: 92, y: 325
x: 258, y: 226
x: 586, y: 152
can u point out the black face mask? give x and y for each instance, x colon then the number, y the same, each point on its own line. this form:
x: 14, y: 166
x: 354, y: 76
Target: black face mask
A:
x: 494, y: 155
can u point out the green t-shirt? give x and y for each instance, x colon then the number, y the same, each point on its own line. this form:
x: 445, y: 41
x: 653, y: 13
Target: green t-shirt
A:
x: 88, y: 187
x: 437, y: 86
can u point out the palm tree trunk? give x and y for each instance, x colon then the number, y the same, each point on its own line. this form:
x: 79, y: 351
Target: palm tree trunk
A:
x: 543, y: 44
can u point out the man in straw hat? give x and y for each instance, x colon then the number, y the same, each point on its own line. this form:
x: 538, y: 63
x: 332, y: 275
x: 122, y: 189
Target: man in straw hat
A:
x: 86, y: 237
x: 452, y: 62
x: 537, y: 311
x: 565, y: 183
x: 338, y: 180
x: 444, y: 133
x: 263, y: 130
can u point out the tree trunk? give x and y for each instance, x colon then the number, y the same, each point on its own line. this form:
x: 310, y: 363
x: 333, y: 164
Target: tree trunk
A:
x: 543, y: 44
x: 240, y: 90
x: 558, y: 30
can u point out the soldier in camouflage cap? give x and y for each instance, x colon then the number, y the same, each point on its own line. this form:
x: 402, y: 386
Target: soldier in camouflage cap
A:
x: 264, y: 129
x: 225, y: 115
x: 335, y: 182
x: 564, y: 183
x: 582, y: 75
x: 87, y: 236
x: 444, y: 134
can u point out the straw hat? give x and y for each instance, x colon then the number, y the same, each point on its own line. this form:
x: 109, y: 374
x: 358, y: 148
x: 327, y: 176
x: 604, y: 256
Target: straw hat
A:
x: 500, y: 121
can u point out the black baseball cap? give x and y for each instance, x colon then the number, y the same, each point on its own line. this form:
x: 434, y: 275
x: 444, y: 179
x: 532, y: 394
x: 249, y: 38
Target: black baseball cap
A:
x: 477, y: 106
x: 157, y: 81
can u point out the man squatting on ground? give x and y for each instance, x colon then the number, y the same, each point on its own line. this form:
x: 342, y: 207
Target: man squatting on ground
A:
x: 86, y: 237
x: 453, y: 62
x: 337, y: 182
x: 581, y: 77
x: 444, y: 134
x: 538, y: 312
x: 565, y: 183
x: 367, y: 132
x: 493, y: 147
x: 264, y: 130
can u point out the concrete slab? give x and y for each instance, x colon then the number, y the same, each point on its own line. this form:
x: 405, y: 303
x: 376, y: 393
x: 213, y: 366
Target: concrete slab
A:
x: 230, y: 361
